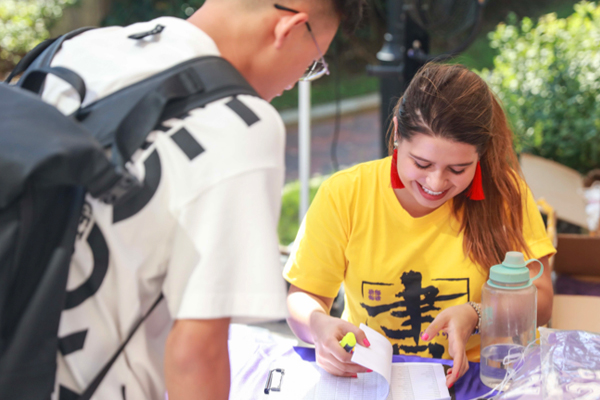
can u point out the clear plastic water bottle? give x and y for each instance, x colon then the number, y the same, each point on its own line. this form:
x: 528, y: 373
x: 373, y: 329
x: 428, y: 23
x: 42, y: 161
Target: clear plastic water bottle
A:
x: 509, y: 316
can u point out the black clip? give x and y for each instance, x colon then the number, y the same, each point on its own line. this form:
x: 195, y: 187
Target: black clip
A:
x: 122, y: 188
x: 268, y: 386
x: 138, y: 36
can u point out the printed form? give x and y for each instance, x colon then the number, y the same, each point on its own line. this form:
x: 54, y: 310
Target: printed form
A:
x: 389, y: 381
x: 406, y: 381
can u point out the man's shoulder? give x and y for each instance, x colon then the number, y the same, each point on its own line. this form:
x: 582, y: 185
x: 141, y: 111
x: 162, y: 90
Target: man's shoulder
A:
x: 232, y: 136
x: 166, y: 39
x: 243, y: 116
x: 262, y: 109
x: 111, y: 58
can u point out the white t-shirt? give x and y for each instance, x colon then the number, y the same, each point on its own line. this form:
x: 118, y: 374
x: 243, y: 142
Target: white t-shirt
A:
x: 202, y: 231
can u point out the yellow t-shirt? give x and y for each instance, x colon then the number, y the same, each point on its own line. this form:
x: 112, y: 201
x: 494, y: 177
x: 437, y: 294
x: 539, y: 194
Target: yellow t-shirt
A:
x: 398, y: 272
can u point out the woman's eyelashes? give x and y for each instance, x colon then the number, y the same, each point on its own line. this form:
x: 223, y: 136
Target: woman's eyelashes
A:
x: 455, y: 172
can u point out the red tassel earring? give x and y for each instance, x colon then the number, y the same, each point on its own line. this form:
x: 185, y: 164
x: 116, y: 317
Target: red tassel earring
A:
x: 476, y: 190
x: 396, y: 182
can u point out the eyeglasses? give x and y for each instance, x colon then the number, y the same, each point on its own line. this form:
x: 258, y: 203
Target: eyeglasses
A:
x: 319, y: 67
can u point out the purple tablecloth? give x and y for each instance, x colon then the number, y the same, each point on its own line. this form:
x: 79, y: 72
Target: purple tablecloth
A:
x: 251, y: 358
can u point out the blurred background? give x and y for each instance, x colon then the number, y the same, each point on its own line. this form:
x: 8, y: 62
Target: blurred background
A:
x: 541, y: 57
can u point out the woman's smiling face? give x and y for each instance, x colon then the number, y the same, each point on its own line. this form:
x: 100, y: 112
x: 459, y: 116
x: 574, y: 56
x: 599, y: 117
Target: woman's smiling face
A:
x: 433, y: 170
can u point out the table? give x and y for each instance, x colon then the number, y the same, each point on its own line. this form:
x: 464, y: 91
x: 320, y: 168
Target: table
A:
x: 252, y: 355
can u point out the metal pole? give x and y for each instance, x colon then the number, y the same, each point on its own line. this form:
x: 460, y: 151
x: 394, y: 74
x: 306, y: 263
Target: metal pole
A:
x: 304, y: 145
x: 391, y: 64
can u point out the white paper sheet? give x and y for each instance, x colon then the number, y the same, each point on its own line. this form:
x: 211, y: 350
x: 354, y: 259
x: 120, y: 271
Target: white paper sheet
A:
x: 400, y: 381
x: 377, y: 357
x: 418, y: 381
x: 407, y: 381
x: 304, y: 380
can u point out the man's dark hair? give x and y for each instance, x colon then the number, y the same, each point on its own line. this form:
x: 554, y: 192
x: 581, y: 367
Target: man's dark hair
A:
x: 351, y: 13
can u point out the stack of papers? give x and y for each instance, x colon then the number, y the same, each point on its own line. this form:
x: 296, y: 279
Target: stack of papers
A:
x: 302, y: 380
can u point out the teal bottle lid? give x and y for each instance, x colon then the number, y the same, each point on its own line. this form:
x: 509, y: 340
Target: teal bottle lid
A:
x: 513, y: 272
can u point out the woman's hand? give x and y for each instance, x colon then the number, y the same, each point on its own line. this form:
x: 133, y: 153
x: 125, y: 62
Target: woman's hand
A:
x: 458, y: 322
x: 309, y: 319
x: 327, y: 332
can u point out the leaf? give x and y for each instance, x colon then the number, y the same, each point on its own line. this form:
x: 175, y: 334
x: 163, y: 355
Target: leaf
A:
x: 547, y: 75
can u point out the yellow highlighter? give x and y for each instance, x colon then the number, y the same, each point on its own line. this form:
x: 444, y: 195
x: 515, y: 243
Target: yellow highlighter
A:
x: 348, y: 342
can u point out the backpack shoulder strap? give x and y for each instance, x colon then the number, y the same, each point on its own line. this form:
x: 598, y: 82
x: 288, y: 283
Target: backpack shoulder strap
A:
x: 221, y: 80
x: 89, y: 392
x: 204, y: 81
x: 124, y: 118
x: 26, y: 61
x: 43, y: 53
x: 33, y: 80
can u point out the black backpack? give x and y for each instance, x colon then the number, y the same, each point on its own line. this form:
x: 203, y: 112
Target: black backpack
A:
x: 48, y: 162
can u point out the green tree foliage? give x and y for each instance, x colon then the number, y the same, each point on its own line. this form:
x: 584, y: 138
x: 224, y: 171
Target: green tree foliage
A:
x: 548, y: 77
x: 23, y: 24
x: 289, y: 222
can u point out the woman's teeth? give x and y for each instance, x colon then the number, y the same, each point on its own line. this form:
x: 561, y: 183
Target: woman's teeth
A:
x: 431, y: 192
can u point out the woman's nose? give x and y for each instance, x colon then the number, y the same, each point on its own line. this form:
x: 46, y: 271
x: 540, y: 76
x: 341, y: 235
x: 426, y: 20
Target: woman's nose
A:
x: 436, y: 181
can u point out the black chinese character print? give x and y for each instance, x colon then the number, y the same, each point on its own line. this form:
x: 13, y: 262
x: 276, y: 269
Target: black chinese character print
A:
x: 414, y: 307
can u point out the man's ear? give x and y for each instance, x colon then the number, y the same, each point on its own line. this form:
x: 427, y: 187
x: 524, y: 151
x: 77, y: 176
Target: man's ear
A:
x: 286, y: 25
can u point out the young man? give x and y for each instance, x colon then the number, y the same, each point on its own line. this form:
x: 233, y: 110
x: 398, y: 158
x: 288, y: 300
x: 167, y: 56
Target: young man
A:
x: 203, y: 229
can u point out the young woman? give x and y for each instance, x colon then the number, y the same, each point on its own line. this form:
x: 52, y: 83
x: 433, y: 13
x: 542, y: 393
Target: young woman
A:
x: 413, y: 236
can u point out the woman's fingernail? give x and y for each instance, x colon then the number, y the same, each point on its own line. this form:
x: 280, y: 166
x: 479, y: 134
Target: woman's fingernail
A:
x: 449, y: 371
x: 369, y: 370
x: 425, y: 336
x: 450, y: 387
x: 354, y: 376
x: 366, y: 342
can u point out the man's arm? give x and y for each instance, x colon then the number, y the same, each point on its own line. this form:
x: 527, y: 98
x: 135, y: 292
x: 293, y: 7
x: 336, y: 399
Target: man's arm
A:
x: 197, y: 360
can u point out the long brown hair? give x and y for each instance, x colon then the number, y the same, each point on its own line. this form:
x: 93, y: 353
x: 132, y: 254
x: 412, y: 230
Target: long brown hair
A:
x: 451, y: 102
